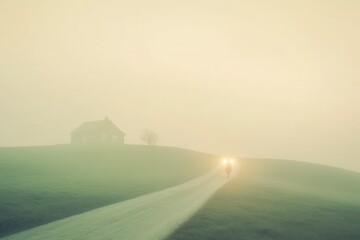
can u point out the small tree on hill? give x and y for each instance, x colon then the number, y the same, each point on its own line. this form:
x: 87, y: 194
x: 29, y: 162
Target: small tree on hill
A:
x: 149, y: 137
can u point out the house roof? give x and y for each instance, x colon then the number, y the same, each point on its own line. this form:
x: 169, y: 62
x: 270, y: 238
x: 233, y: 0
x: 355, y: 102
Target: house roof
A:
x: 102, y: 125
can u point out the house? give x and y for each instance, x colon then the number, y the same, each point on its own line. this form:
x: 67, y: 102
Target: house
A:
x: 97, y: 132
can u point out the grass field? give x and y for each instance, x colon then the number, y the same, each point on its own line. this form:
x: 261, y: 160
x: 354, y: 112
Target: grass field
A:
x: 42, y: 184
x: 277, y: 199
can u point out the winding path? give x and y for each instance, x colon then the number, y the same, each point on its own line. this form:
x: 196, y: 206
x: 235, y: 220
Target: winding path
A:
x: 149, y: 217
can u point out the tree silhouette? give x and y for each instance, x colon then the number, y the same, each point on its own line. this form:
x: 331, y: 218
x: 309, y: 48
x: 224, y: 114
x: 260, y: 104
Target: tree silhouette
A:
x: 149, y: 137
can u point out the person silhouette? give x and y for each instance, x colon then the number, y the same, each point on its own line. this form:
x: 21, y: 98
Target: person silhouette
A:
x: 228, y: 168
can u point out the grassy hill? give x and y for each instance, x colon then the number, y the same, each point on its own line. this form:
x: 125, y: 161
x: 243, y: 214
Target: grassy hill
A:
x: 42, y: 184
x: 278, y: 199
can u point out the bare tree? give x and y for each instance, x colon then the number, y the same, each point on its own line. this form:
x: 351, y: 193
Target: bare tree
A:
x: 149, y: 137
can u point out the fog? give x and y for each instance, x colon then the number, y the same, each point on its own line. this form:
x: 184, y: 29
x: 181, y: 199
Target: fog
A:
x: 251, y: 78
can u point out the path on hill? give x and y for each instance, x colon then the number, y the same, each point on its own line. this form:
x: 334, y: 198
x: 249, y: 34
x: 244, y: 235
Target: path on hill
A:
x: 152, y: 216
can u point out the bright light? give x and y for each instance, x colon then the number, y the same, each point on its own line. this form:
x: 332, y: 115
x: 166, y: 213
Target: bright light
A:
x: 228, y: 160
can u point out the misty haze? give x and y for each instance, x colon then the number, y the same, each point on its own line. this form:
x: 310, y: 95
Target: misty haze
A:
x: 183, y: 111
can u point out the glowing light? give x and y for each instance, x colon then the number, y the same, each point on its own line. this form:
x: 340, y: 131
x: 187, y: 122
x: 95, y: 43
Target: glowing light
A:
x: 225, y: 160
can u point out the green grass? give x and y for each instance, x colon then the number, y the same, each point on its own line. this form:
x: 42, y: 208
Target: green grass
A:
x: 42, y: 184
x: 278, y: 199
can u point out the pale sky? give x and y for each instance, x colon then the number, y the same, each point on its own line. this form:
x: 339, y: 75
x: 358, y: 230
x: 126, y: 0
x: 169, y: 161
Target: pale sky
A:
x: 254, y: 78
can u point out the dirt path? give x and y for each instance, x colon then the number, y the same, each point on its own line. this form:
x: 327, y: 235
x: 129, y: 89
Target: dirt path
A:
x: 152, y: 216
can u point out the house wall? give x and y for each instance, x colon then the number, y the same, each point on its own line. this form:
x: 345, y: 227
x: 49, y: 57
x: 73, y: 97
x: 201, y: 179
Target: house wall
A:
x: 96, y: 138
x: 75, y: 139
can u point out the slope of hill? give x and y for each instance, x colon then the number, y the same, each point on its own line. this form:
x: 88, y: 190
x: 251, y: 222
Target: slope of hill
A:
x: 42, y: 184
x: 149, y: 217
x: 278, y: 199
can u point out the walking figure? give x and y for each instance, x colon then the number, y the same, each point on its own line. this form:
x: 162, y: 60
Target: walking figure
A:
x: 228, y: 168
